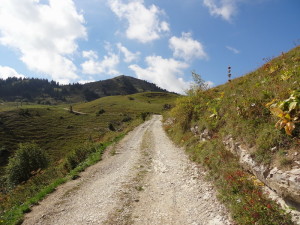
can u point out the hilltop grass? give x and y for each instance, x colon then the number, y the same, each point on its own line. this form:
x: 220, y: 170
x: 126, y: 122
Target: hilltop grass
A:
x: 60, y: 132
x: 142, y: 102
x: 240, y: 109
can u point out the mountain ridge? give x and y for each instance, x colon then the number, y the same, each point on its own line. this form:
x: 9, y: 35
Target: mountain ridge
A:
x: 42, y: 91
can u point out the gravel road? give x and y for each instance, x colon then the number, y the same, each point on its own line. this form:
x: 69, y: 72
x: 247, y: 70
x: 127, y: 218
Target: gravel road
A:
x: 144, y: 179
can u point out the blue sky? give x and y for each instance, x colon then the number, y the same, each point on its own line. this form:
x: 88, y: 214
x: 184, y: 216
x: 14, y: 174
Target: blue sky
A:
x: 161, y: 41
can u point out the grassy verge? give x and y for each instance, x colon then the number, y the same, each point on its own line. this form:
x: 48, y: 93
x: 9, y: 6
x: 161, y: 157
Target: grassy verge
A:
x: 15, y: 214
x: 237, y: 189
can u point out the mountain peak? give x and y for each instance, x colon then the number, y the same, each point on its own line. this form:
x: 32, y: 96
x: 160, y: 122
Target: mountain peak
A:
x: 44, y: 92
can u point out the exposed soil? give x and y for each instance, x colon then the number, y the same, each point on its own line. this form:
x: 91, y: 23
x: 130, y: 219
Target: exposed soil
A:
x: 144, y: 179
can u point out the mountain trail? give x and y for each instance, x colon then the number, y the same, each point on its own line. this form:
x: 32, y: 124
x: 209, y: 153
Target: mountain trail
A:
x: 144, y: 179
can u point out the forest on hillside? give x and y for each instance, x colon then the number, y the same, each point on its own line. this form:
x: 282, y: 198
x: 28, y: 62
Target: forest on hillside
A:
x: 43, y: 91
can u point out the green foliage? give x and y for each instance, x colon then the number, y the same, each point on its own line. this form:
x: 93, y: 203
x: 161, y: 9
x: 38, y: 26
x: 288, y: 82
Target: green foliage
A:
x: 26, y: 162
x: 167, y: 106
x: 269, y: 138
x: 111, y: 127
x: 183, y: 112
x: 90, y: 95
x: 101, y: 111
x: 24, y: 112
x: 198, y: 85
x: 288, y: 112
x: 74, y: 158
x: 126, y: 118
x: 144, y: 115
x: 3, y: 152
x: 286, y: 162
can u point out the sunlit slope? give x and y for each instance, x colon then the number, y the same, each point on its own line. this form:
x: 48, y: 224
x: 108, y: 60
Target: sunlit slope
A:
x: 58, y: 131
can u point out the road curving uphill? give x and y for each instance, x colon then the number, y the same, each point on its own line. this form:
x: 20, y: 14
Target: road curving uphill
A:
x: 144, y: 179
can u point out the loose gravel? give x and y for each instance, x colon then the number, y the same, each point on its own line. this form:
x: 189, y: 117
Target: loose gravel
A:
x: 144, y: 179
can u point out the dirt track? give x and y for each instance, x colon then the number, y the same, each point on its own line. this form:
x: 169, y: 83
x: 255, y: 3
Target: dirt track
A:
x: 144, y: 179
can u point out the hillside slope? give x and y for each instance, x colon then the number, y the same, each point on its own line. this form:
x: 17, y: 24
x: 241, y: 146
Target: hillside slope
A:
x: 58, y: 130
x: 68, y: 137
x: 246, y: 109
x: 42, y: 91
x: 257, y: 117
x: 122, y: 85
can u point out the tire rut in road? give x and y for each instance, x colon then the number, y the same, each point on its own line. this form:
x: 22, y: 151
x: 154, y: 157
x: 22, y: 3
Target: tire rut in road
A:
x: 147, y: 181
x: 175, y: 191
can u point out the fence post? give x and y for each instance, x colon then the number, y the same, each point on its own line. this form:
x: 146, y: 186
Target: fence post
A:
x: 229, y: 74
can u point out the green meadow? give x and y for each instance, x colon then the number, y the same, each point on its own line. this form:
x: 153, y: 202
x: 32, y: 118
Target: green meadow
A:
x: 68, y: 134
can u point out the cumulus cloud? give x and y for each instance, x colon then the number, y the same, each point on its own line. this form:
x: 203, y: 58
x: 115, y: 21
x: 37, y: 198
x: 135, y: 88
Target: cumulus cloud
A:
x: 223, y: 8
x: 166, y: 73
x: 185, y: 47
x: 6, y: 72
x: 232, y: 49
x: 128, y: 55
x: 45, y: 34
x: 105, y: 66
x: 144, y: 24
x: 90, y: 54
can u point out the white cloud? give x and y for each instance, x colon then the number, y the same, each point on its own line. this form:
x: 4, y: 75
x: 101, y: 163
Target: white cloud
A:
x: 89, y: 54
x: 89, y: 80
x: 144, y: 23
x: 128, y: 55
x: 232, y: 49
x: 166, y: 73
x: 223, y: 8
x: 44, y: 34
x: 209, y: 84
x: 106, y: 66
x: 6, y: 72
x: 185, y: 47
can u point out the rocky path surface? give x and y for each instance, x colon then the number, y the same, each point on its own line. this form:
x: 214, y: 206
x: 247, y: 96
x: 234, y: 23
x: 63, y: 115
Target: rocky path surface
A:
x: 144, y: 179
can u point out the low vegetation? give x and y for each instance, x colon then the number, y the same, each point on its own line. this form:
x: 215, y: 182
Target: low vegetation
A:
x: 259, y: 110
x: 27, y: 161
